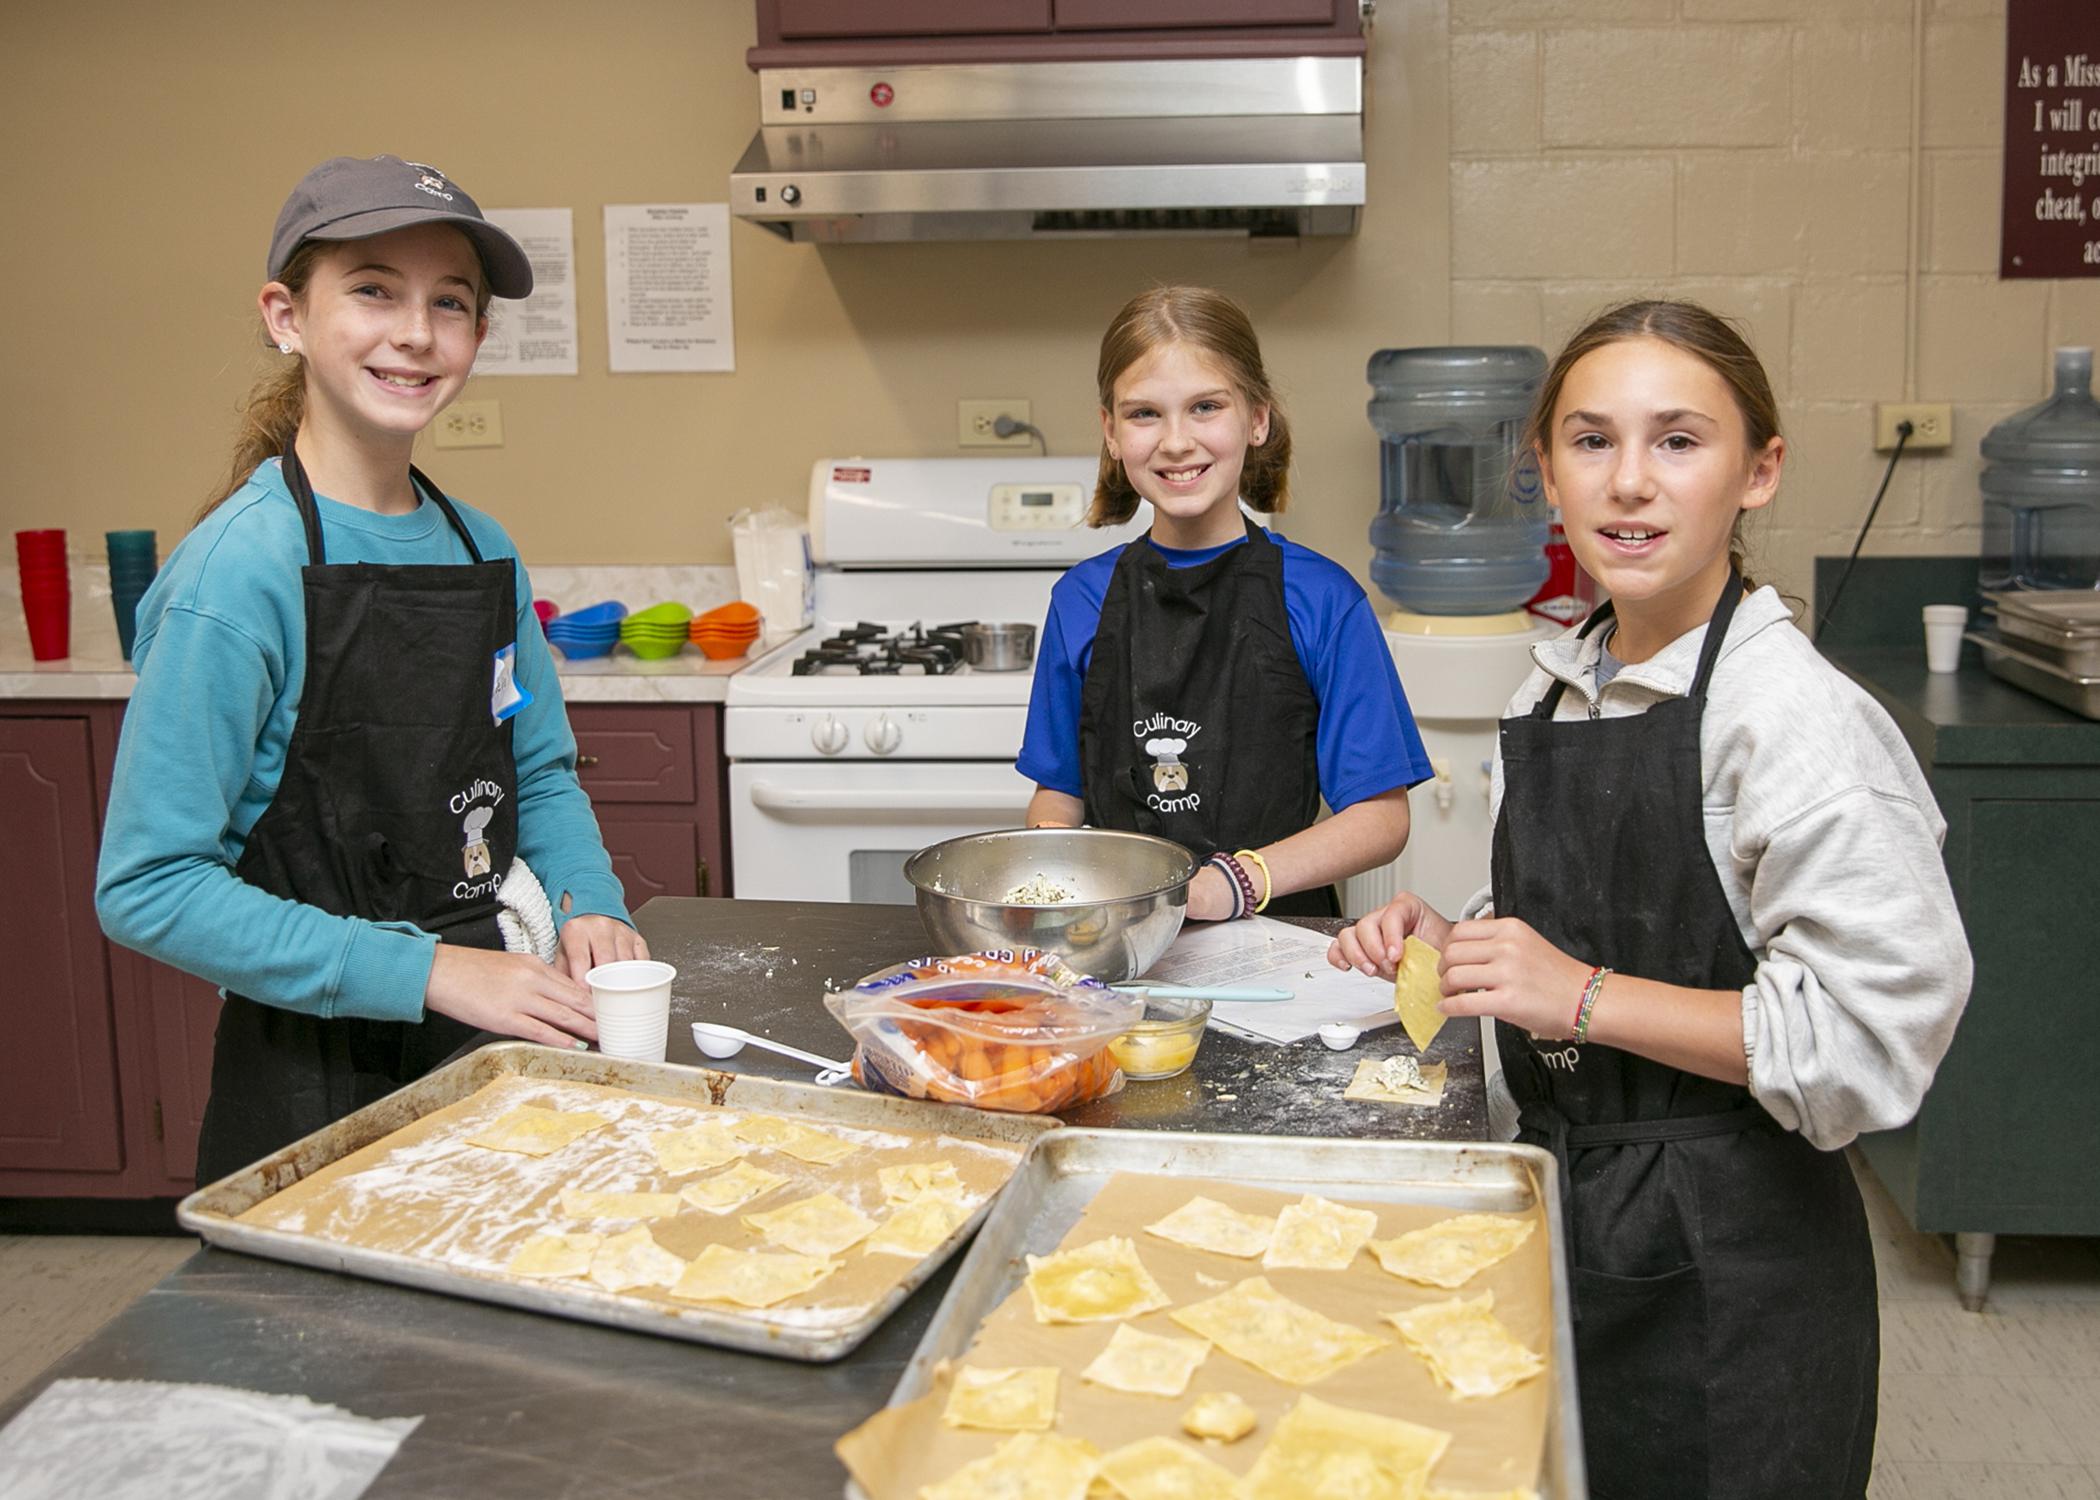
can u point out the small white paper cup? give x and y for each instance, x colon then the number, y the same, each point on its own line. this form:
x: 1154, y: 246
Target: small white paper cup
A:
x: 632, y: 998
x: 1944, y: 624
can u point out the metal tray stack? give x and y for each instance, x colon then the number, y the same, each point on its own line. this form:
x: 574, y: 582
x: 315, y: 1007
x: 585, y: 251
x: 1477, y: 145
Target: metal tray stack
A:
x: 2047, y: 644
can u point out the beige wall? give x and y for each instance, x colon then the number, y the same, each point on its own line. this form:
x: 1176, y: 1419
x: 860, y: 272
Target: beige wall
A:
x: 149, y: 146
x: 1756, y: 154
x: 1529, y: 160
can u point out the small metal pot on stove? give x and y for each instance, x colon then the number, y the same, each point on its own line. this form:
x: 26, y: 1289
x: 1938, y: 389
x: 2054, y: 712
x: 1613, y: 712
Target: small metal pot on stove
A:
x: 999, y: 646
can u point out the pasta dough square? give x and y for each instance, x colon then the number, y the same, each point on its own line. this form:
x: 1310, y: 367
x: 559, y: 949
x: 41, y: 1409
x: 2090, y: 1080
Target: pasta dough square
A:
x: 754, y: 1278
x: 1092, y: 1283
x: 555, y: 1255
x: 823, y: 1224
x: 900, y: 1185
x: 578, y: 1204
x: 1467, y: 1348
x: 920, y: 1226
x: 1146, y: 1364
x: 1321, y: 1450
x: 634, y: 1259
x: 1417, y: 991
x: 1316, y: 1235
x: 1017, y: 1400
x: 802, y: 1142
x: 1221, y: 1416
x: 530, y: 1130
x: 731, y: 1189
x: 1451, y: 1252
x: 699, y: 1149
x: 1027, y: 1466
x: 1158, y: 1468
x: 1256, y: 1324
x: 1206, y: 1224
x: 1398, y: 1080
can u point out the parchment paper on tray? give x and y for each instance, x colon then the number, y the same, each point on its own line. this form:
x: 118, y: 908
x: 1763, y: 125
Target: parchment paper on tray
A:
x: 427, y: 1191
x: 151, y: 1440
x: 1497, y: 1442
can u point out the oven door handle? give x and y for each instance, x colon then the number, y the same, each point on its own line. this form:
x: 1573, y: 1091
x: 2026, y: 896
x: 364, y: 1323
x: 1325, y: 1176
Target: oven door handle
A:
x: 773, y: 797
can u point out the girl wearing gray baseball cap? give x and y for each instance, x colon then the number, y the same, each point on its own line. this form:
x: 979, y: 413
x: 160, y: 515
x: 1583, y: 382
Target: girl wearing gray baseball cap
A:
x: 346, y: 786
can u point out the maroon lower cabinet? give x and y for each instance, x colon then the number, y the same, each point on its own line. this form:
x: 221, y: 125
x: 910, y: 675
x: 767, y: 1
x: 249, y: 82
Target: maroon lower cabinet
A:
x: 660, y: 788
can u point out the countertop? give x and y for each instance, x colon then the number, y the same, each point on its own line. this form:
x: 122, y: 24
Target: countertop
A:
x: 1967, y: 717
x: 524, y: 1406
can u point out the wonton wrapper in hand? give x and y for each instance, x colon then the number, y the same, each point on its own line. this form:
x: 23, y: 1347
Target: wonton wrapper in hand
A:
x: 1316, y: 1235
x: 1416, y: 992
x: 1017, y: 1400
x: 1466, y: 1346
x: 1256, y: 1324
x: 1158, y: 1468
x: 1451, y: 1252
x: 634, y: 1259
x: 920, y: 1226
x: 900, y: 1185
x: 1221, y: 1416
x: 1206, y: 1224
x: 700, y: 1149
x: 555, y: 1255
x: 532, y: 1131
x: 823, y: 1224
x: 1322, y: 1450
x: 820, y: 1147
x: 1146, y: 1364
x: 578, y: 1204
x: 755, y: 1278
x: 727, y: 1190
x: 1027, y: 1466
x: 1092, y: 1283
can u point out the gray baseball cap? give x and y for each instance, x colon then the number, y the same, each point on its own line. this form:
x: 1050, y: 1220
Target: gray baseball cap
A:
x: 352, y: 197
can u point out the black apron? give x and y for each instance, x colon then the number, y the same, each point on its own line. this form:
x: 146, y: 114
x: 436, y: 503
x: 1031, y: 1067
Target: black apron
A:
x: 1196, y: 722
x: 398, y: 804
x: 1727, y: 1334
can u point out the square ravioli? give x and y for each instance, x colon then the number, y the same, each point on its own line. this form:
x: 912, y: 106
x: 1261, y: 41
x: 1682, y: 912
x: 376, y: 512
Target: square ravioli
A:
x: 900, y: 1185
x: 1092, y: 1283
x: 1016, y: 1400
x: 1451, y: 1252
x: 1146, y: 1364
x: 1206, y: 1224
x: 1469, y: 1350
x: 731, y: 1189
x: 1316, y: 1235
x: 1027, y: 1466
x: 822, y: 1224
x: 555, y: 1255
x: 752, y: 1278
x: 701, y: 1148
x: 818, y: 1147
x: 1260, y: 1326
x: 634, y: 1259
x: 1158, y: 1468
x: 530, y: 1130
x: 1321, y: 1450
x: 920, y: 1226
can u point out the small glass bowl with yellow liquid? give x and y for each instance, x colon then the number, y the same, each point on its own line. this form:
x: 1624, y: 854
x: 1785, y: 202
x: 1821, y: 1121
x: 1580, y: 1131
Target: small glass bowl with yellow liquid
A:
x: 1164, y: 1040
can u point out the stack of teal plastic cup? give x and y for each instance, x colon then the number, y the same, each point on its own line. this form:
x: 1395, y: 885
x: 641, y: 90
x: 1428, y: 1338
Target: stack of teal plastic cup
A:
x: 133, y: 560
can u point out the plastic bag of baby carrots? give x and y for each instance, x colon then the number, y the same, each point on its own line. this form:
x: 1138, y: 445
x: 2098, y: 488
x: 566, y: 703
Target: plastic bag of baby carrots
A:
x: 1013, y: 1029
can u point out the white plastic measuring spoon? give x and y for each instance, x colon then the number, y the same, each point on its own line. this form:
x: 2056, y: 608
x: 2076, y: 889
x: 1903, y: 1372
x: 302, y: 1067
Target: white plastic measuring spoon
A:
x: 719, y: 1041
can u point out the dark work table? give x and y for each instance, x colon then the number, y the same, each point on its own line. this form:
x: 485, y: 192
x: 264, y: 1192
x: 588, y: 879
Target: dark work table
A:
x: 520, y: 1405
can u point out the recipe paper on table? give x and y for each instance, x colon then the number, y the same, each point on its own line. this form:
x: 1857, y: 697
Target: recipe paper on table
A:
x: 1266, y: 954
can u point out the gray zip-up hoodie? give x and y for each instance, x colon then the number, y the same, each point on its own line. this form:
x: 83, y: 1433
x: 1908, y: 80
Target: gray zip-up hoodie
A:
x: 1826, y: 838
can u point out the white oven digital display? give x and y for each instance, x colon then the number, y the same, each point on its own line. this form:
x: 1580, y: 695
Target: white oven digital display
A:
x: 1035, y: 507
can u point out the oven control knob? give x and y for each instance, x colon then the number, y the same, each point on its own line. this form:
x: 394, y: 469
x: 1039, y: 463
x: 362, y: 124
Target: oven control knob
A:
x: 883, y: 735
x: 830, y: 736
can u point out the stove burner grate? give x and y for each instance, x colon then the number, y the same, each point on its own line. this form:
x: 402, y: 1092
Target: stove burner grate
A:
x: 870, y: 651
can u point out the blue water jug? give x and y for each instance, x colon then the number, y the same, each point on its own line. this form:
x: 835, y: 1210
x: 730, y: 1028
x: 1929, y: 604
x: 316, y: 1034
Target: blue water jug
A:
x: 2041, y: 488
x: 1462, y: 518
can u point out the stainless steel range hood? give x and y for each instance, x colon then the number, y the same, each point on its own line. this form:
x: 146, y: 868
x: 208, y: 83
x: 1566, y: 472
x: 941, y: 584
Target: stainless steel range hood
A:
x: 1257, y: 146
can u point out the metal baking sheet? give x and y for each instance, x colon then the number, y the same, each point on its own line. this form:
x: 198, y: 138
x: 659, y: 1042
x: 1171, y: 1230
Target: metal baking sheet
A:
x: 1064, y: 1172
x: 2081, y: 695
x: 2074, y: 652
x: 211, y: 1212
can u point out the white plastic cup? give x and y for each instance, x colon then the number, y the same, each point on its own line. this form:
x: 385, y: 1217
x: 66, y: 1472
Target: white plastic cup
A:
x: 1944, y: 624
x: 632, y: 998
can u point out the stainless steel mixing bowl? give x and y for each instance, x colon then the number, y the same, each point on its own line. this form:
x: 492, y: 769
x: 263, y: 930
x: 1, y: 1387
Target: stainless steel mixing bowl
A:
x: 1129, y: 892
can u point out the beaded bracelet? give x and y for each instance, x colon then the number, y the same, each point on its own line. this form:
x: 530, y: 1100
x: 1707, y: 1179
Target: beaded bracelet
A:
x: 1268, y: 884
x: 1583, y: 1007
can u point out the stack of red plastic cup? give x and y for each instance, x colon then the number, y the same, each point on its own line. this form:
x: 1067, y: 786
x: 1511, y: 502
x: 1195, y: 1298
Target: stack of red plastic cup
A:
x: 47, y: 592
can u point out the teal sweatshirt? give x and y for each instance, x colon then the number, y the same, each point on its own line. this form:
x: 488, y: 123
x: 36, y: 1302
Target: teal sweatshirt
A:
x: 221, y: 659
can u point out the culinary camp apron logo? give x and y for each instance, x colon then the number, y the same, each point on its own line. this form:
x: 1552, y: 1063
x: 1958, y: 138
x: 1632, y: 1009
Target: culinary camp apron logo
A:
x: 1170, y: 775
x: 475, y: 808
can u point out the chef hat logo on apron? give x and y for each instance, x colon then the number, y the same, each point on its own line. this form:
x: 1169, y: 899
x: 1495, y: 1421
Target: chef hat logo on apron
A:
x: 474, y: 839
x: 1168, y: 773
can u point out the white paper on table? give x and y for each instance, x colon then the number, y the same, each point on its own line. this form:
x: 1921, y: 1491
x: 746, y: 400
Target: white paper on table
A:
x: 538, y: 335
x: 667, y: 288
x: 1262, y: 954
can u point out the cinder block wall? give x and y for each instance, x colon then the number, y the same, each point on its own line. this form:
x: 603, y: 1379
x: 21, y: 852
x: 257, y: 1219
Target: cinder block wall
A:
x: 1756, y: 155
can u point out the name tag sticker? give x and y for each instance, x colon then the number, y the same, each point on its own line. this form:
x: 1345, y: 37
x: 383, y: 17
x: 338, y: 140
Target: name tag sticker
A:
x: 508, y: 695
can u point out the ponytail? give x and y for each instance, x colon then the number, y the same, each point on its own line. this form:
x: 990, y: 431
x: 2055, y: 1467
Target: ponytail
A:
x: 276, y: 403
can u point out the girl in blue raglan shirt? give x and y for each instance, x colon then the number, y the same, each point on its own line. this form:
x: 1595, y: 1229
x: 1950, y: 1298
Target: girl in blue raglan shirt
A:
x: 347, y: 733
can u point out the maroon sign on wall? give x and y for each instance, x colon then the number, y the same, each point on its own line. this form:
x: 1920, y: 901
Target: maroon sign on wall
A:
x: 2052, y: 139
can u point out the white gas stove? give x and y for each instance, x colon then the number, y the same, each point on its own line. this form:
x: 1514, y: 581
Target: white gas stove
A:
x: 866, y: 737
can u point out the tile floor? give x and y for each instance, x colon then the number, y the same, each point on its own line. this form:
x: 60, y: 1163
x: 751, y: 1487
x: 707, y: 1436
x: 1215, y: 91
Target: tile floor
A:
x: 1998, y: 1405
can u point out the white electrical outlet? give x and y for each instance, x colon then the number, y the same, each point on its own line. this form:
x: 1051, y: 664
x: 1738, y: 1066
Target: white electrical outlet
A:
x: 976, y: 424
x: 1931, y: 422
x: 469, y: 424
